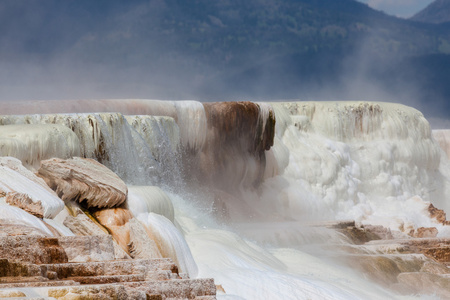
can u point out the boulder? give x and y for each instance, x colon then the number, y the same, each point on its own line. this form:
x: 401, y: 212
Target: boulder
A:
x: 85, y: 181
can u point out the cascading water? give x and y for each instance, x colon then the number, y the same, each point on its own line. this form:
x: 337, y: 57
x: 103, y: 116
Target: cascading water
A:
x: 242, y: 190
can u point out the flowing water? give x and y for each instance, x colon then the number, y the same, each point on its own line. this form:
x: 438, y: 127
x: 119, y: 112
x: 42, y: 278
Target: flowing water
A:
x: 223, y: 202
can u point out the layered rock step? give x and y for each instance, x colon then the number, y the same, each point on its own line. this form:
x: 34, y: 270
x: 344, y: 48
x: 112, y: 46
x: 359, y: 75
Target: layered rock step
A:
x: 178, y: 289
x: 83, y: 267
x: 407, y: 265
x: 437, y: 249
x: 142, y: 269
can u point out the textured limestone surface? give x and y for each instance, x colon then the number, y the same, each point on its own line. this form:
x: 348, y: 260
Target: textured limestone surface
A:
x: 88, y: 248
x: 53, y: 274
x: 25, y: 202
x: 32, y: 249
x: 85, y: 181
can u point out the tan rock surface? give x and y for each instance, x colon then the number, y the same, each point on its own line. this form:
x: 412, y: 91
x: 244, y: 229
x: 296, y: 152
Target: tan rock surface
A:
x: 115, y: 220
x: 11, y: 294
x: 85, y: 181
x: 141, y: 245
x: 24, y: 202
x: 80, y: 224
x: 96, y: 292
x: 435, y: 268
x: 426, y: 232
x: 32, y: 249
x: 12, y: 228
x: 88, y: 248
x: 179, y: 289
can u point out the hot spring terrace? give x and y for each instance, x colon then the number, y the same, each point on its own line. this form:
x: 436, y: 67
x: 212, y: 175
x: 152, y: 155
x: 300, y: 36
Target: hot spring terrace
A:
x: 142, y: 199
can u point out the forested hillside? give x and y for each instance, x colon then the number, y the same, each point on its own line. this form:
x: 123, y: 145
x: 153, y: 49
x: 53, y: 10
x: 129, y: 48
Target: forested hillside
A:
x: 223, y: 50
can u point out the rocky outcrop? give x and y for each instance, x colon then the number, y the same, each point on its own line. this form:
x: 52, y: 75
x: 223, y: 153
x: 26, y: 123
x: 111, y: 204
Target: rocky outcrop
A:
x: 17, y: 166
x: 85, y: 181
x: 438, y: 214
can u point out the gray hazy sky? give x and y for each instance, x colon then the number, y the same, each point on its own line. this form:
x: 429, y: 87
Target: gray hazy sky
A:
x: 399, y: 8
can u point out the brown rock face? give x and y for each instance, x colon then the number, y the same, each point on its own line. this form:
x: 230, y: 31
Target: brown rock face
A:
x: 85, y: 181
x: 441, y: 254
x: 438, y: 214
x: 24, y: 202
x: 238, y: 132
x: 426, y: 232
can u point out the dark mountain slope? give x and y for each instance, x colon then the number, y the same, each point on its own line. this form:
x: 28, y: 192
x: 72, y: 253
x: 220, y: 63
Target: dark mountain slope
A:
x: 217, y: 50
x: 437, y: 12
